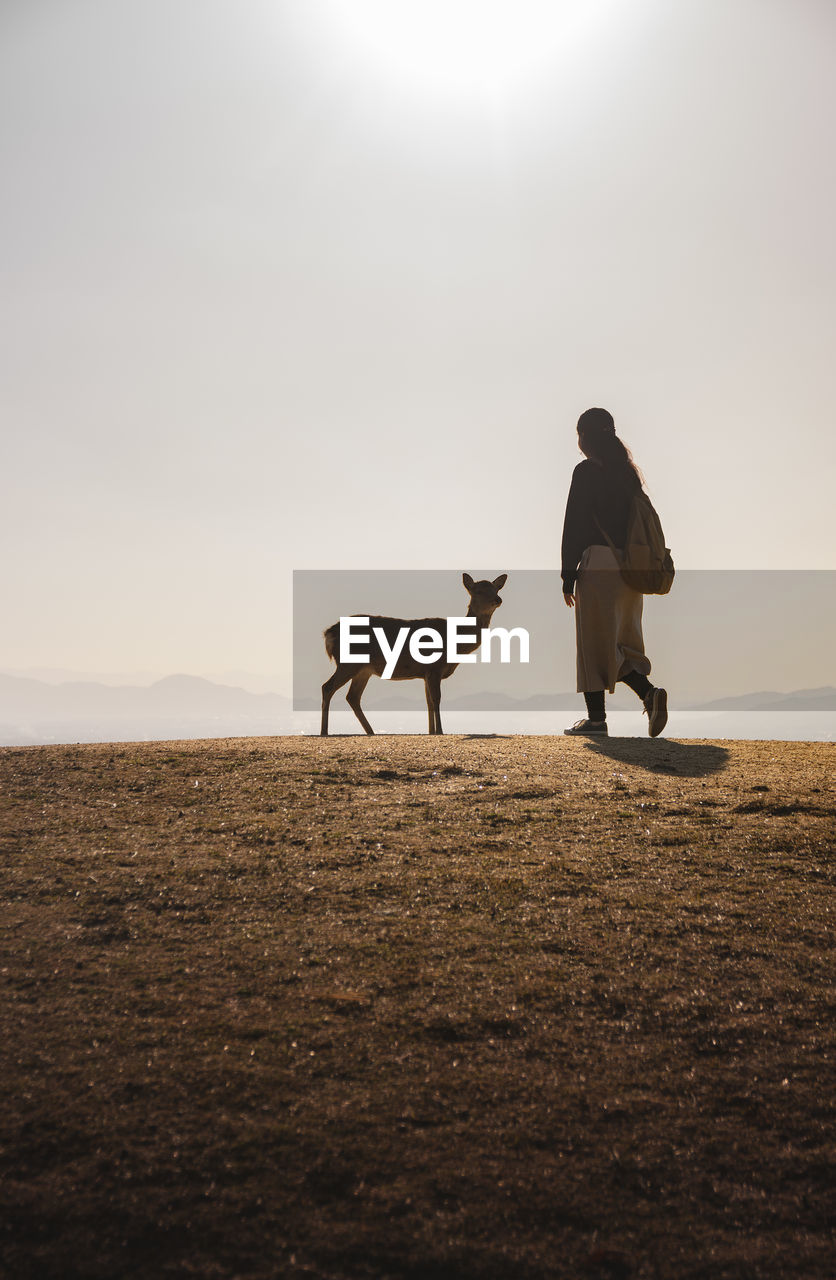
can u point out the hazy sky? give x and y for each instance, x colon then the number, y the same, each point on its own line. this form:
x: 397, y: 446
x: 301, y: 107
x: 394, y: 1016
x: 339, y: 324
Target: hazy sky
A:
x: 311, y: 284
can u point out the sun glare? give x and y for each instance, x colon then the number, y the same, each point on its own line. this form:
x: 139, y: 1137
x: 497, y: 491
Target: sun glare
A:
x: 470, y: 50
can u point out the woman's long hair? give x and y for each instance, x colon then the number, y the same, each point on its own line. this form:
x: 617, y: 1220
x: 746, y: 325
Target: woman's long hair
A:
x: 596, y: 432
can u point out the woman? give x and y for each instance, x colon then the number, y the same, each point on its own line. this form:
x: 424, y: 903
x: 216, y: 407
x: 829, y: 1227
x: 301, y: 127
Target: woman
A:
x: 608, y: 613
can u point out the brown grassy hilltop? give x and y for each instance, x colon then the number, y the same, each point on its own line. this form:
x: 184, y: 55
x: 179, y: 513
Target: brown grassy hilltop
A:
x: 414, y: 1007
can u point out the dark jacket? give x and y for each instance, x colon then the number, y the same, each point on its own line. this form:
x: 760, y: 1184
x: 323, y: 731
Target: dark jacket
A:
x: 593, y: 493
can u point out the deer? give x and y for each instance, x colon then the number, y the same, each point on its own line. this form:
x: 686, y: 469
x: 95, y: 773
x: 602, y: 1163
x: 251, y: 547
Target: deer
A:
x: 484, y: 601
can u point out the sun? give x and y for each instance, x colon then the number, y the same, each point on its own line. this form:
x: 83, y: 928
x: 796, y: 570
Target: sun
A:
x: 465, y: 50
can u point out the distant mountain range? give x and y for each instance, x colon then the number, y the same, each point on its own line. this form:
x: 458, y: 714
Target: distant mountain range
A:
x: 179, y: 706
x: 173, y: 695
x: 182, y: 706
x: 247, y: 680
x: 479, y: 701
x: 821, y: 699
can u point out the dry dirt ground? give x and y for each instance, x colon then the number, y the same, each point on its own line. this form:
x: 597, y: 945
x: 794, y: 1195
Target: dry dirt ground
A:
x: 416, y: 1007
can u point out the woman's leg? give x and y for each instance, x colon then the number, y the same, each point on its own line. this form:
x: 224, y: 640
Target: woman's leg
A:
x: 595, y: 707
x: 638, y: 682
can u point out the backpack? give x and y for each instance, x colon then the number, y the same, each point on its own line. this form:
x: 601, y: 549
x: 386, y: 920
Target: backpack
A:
x: 646, y: 563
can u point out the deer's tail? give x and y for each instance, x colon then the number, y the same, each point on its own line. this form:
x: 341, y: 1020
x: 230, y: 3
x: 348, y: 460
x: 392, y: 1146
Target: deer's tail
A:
x: 332, y: 641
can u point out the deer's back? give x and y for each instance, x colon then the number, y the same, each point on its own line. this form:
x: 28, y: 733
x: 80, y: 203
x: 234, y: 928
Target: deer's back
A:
x: 406, y: 668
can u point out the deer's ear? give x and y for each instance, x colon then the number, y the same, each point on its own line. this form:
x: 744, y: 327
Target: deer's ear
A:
x: 499, y: 582
x: 468, y: 581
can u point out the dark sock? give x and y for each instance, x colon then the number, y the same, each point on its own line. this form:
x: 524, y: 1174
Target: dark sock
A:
x: 637, y: 682
x: 595, y: 705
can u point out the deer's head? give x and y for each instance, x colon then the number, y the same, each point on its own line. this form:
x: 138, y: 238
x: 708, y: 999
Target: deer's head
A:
x: 484, y: 596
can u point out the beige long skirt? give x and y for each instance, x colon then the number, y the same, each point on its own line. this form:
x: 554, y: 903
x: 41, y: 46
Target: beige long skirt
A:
x: 608, y: 623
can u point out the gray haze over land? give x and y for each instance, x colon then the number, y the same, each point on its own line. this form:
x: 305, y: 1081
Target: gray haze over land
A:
x: 179, y: 707
x: 724, y: 668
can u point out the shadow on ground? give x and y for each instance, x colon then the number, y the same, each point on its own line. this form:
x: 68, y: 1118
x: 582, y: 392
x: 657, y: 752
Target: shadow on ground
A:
x: 687, y: 759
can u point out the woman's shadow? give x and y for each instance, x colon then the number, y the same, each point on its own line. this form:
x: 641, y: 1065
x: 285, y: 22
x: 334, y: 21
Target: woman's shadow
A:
x: 663, y: 755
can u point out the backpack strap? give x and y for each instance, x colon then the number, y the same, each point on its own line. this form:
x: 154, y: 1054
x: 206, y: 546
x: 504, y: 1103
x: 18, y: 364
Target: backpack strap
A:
x: 613, y: 548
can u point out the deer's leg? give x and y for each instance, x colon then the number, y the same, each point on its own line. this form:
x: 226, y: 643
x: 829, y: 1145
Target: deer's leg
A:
x: 430, y: 710
x: 341, y: 676
x: 355, y: 693
x: 432, y: 686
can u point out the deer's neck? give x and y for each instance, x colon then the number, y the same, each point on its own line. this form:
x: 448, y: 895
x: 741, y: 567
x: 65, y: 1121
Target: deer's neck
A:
x: 483, y: 620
